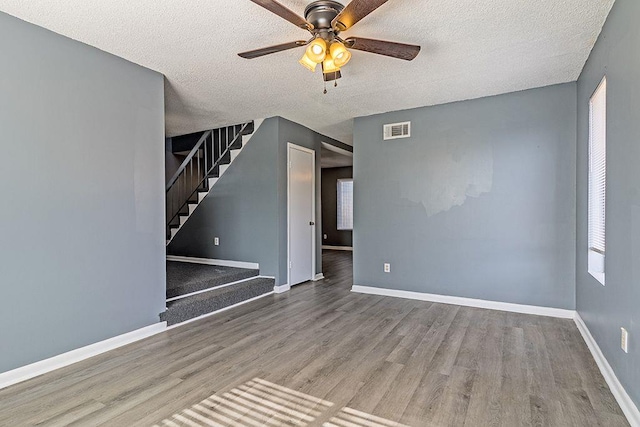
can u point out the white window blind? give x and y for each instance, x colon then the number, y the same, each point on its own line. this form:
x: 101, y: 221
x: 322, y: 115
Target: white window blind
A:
x: 345, y: 204
x: 597, y: 179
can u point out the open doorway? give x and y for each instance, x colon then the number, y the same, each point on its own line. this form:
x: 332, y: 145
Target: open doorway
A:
x: 337, y: 204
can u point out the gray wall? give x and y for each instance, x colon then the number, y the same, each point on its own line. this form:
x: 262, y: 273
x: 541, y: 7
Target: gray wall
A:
x: 82, y: 224
x: 241, y: 209
x: 330, y: 177
x: 607, y: 308
x: 479, y: 202
x: 247, y: 208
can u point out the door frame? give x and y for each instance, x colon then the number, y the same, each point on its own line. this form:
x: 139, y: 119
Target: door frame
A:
x: 291, y: 146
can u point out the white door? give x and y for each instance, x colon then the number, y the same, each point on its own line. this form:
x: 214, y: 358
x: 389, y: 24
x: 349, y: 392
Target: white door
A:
x: 301, y: 214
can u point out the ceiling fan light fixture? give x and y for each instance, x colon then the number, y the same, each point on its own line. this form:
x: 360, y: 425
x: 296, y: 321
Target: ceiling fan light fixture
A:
x: 325, y: 19
x: 340, y: 54
x: 329, y: 65
x: 317, y: 50
x: 306, y: 62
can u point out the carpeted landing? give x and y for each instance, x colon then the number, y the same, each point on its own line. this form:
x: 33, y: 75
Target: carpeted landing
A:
x: 195, y: 289
x: 185, y: 278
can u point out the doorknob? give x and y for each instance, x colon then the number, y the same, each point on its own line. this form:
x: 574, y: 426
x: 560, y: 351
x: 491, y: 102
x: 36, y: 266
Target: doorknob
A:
x: 312, y: 223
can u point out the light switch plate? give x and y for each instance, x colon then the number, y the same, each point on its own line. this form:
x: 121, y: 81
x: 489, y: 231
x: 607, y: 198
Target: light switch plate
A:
x: 624, y: 340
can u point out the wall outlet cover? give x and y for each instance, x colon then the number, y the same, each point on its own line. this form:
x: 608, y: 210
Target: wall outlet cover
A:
x: 624, y: 340
x: 387, y: 267
x: 216, y: 241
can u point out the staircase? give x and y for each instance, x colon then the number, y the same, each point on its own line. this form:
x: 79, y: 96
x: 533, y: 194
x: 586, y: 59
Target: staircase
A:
x: 197, y: 289
x: 194, y: 290
x: 206, y: 162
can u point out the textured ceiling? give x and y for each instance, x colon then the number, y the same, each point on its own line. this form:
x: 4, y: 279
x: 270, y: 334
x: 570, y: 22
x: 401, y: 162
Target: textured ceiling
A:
x: 470, y: 49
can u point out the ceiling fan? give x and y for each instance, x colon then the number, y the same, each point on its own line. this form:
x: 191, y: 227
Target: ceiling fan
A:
x: 325, y: 19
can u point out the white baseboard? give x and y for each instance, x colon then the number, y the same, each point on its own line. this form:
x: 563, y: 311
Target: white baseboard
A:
x: 468, y: 302
x: 338, y: 248
x: 279, y: 289
x: 219, y: 262
x: 318, y: 276
x: 60, y: 361
x: 177, y: 325
x: 624, y: 400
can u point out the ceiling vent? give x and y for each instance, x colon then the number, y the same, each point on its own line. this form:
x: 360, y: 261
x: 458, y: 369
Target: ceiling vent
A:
x: 397, y: 130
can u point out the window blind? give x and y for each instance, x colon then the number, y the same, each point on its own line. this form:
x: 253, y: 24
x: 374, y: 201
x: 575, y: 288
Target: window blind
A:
x: 345, y: 204
x: 597, y: 168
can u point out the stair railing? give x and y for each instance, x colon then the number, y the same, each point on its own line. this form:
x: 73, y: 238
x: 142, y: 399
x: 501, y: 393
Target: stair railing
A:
x: 202, y: 162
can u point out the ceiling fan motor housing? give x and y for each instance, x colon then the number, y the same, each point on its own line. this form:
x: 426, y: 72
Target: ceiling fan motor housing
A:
x: 320, y: 14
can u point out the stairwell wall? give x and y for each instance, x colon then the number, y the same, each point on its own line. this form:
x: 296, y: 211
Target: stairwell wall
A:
x: 241, y: 209
x: 82, y: 223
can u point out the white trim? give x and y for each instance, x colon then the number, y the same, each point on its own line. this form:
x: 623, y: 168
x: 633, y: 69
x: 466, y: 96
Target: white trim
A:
x: 291, y: 146
x: 219, y: 311
x: 318, y: 276
x: 624, y: 400
x: 65, y: 359
x: 468, y: 302
x: 218, y: 262
x: 595, y: 265
x: 338, y: 248
x: 337, y: 149
x: 279, y: 289
x: 224, y: 285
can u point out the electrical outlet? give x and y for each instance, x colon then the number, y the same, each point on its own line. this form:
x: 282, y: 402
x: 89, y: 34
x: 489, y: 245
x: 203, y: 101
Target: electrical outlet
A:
x: 624, y: 340
x: 387, y: 267
x: 216, y: 241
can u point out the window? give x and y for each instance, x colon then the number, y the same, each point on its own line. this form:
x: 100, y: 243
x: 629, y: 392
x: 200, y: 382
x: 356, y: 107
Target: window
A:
x: 345, y: 204
x: 597, y: 180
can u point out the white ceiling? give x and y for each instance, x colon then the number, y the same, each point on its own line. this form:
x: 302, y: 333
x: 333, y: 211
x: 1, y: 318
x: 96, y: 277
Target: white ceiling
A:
x: 470, y: 49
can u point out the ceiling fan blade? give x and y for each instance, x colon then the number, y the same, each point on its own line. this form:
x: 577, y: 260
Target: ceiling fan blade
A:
x: 354, y: 12
x: 271, y: 49
x: 381, y: 47
x: 285, y: 13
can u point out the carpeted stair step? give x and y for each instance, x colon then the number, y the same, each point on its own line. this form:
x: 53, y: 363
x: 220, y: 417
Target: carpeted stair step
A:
x: 184, y: 278
x: 207, y: 302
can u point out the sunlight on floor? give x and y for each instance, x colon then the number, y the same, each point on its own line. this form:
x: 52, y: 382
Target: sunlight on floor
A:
x: 351, y: 418
x: 259, y: 403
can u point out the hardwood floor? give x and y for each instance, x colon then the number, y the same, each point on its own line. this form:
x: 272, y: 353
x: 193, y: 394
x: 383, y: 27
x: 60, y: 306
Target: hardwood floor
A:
x: 320, y: 355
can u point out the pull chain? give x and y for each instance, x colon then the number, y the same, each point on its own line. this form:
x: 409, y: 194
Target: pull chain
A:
x: 335, y: 82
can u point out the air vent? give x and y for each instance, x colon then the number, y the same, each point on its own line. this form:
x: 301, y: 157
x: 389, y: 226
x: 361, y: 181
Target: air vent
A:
x: 397, y: 130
